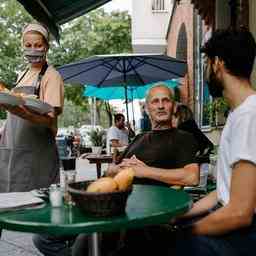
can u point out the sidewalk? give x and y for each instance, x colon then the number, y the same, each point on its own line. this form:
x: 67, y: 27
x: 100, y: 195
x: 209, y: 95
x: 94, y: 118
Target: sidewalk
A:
x: 17, y: 244
x: 20, y: 244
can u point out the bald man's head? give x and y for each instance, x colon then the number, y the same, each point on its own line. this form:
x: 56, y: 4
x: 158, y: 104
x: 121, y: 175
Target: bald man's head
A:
x: 159, y: 105
x: 152, y: 90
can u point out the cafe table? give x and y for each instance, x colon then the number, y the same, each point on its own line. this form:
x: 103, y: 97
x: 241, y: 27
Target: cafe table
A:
x: 147, y: 205
x: 98, y: 160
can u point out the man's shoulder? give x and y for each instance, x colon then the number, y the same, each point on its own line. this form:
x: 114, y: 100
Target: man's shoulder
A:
x: 124, y: 130
x: 174, y: 132
x: 170, y: 133
x: 184, y: 136
x: 247, y: 107
x: 180, y: 132
x: 140, y: 136
x: 112, y: 128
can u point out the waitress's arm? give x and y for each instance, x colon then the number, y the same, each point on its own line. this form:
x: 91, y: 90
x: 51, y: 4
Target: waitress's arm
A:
x: 48, y: 120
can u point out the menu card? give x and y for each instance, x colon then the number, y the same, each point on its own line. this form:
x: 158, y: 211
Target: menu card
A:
x: 18, y: 200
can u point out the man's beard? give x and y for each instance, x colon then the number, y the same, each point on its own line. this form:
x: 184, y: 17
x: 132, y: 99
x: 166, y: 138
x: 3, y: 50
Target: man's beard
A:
x: 215, y: 86
x: 163, y: 124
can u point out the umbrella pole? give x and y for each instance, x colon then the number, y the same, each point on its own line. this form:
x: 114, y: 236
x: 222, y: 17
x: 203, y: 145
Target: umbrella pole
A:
x: 126, y: 102
x: 133, y: 118
x: 125, y: 90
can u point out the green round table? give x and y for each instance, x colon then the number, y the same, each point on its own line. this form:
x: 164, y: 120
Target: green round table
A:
x: 147, y: 205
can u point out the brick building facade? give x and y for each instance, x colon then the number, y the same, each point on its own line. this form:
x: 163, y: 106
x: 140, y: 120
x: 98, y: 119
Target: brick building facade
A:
x: 180, y: 44
x: 190, y: 25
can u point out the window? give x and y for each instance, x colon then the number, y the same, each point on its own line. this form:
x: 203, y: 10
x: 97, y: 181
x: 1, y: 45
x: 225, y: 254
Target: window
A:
x: 158, y: 5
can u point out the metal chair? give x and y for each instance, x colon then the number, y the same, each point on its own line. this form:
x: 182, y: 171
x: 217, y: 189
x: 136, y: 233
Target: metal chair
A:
x: 200, y: 190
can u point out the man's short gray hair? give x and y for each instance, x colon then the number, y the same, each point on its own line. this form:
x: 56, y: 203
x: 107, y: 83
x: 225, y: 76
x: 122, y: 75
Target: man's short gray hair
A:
x: 159, y: 85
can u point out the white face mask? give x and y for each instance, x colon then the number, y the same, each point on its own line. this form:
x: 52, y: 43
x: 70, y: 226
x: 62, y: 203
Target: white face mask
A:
x: 34, y: 56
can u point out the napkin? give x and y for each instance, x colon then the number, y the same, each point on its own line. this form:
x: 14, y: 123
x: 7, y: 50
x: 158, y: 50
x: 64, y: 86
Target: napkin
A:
x: 17, y: 200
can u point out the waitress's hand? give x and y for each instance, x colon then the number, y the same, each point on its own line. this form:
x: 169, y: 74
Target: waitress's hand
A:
x: 17, y: 110
x: 22, y: 111
x: 5, y: 106
x: 49, y: 120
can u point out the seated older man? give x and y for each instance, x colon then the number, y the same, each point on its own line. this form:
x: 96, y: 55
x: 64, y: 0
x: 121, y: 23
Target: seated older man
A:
x: 165, y: 155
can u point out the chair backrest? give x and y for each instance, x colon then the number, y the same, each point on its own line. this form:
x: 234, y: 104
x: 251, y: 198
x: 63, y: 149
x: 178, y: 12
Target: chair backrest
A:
x: 200, y: 190
x: 204, y: 171
x: 62, y: 147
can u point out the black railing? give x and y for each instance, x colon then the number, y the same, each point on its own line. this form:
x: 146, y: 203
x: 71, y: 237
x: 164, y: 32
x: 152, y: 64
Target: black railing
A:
x: 158, y: 5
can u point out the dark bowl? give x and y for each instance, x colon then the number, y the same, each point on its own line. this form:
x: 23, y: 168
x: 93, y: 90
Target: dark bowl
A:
x: 98, y: 203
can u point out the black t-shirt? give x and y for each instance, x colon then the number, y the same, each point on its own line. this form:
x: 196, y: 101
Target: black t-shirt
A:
x: 167, y: 149
x: 205, y: 145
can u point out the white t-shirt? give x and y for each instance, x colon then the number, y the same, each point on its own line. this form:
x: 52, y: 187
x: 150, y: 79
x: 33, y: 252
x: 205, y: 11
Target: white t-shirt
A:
x: 116, y: 134
x: 238, y: 142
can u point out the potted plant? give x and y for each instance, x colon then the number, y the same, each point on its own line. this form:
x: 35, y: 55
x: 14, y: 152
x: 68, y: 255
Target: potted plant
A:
x: 217, y: 111
x: 97, y: 139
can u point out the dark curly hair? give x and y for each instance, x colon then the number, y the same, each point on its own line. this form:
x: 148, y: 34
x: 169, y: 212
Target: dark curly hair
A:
x: 118, y: 117
x: 183, y: 113
x: 236, y: 48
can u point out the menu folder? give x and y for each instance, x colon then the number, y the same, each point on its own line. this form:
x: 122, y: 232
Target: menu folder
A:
x: 18, y: 200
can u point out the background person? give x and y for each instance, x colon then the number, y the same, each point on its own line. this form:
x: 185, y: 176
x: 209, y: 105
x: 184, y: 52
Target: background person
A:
x: 183, y: 119
x: 118, y: 135
x: 70, y: 142
x: 229, y: 227
x: 145, y: 124
x: 28, y: 153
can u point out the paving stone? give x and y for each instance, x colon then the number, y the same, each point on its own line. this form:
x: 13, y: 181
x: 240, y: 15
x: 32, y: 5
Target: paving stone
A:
x: 17, y: 244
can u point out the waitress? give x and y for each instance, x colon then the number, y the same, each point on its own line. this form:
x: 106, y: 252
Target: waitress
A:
x: 28, y: 153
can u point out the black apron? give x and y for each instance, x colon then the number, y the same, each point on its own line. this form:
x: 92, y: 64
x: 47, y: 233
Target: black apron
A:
x: 28, y: 153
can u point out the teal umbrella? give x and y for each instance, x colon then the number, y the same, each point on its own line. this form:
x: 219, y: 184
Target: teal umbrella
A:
x: 118, y: 92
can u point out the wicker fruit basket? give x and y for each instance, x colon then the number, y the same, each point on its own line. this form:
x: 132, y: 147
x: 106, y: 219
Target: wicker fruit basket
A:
x: 98, y: 203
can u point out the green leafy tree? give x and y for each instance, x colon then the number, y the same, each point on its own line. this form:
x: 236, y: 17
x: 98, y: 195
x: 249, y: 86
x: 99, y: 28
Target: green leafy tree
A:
x: 13, y: 18
x: 98, y: 32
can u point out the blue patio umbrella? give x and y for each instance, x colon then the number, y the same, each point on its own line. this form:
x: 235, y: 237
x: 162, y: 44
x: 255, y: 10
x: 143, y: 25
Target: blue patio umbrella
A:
x: 124, y: 70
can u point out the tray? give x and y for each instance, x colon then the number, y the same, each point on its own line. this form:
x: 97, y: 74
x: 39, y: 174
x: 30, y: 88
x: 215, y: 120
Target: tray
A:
x: 7, y: 98
x: 38, y: 106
